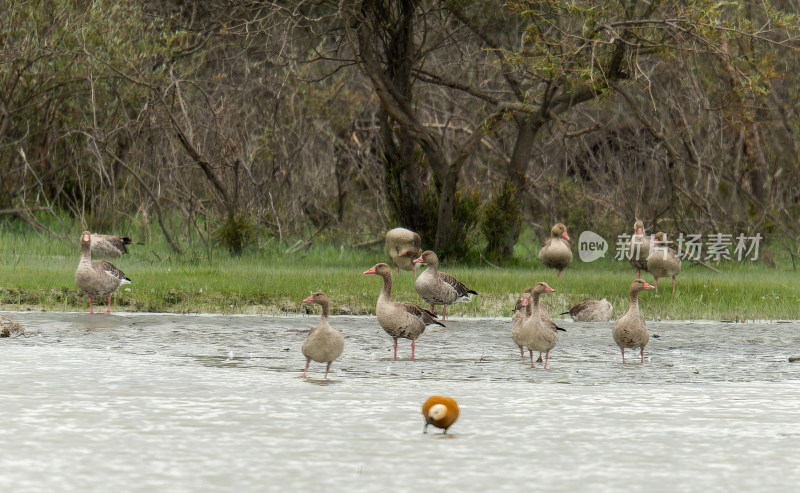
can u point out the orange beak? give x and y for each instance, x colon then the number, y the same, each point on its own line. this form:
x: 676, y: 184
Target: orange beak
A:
x: 418, y: 260
x: 648, y: 286
x: 565, y: 235
x: 640, y: 231
x: 311, y: 298
x: 370, y: 271
x: 548, y: 289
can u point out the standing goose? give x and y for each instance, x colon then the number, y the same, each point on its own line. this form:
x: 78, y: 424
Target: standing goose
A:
x: 439, y: 288
x: 399, y: 319
x: 110, y: 245
x: 630, y: 330
x: 97, y: 277
x: 591, y: 311
x: 402, y: 247
x: 440, y: 412
x: 522, y: 313
x: 556, y: 252
x: 538, y: 333
x: 663, y: 261
x: 639, y: 248
x: 324, y: 343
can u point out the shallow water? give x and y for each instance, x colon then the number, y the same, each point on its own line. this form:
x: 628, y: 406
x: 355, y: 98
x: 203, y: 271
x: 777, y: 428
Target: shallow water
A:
x: 148, y: 402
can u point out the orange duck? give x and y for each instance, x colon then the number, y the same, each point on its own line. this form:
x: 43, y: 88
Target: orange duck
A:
x: 440, y: 412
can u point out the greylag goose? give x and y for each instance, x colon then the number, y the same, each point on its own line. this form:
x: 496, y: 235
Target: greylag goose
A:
x: 663, y: 261
x: 556, y: 252
x: 402, y: 247
x: 521, y: 314
x: 591, y: 311
x: 97, y: 277
x: 110, y: 245
x: 639, y: 248
x: 630, y: 330
x: 539, y: 333
x: 439, y: 288
x: 440, y: 412
x: 324, y: 343
x: 399, y: 318
x: 10, y: 327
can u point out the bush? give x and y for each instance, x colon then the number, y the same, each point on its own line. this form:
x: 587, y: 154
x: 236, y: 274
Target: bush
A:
x: 501, y: 224
x: 235, y: 233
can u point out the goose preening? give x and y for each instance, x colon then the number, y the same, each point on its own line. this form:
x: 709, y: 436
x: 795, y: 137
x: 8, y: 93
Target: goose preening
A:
x: 556, y: 252
x: 97, y: 277
x: 439, y: 288
x: 639, y: 248
x: 629, y: 330
x: 110, y: 245
x: 440, y: 412
x: 591, y: 311
x: 663, y: 261
x: 539, y: 333
x: 10, y: 327
x: 399, y: 318
x: 402, y: 247
x: 324, y: 343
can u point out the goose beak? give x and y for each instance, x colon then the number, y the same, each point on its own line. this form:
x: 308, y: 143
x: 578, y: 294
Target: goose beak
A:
x: 370, y: 271
x: 648, y: 286
x: 548, y: 289
x: 311, y: 298
x: 565, y: 235
x: 418, y: 260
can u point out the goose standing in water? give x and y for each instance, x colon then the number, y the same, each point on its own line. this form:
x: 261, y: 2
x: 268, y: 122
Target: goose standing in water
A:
x: 324, y: 343
x: 591, y: 311
x: 522, y: 313
x: 97, y: 277
x: 639, y: 249
x: 439, y: 288
x: 110, y: 246
x: 440, y: 412
x: 629, y: 330
x: 538, y: 333
x: 402, y: 247
x: 399, y: 318
x: 556, y: 252
x: 663, y: 261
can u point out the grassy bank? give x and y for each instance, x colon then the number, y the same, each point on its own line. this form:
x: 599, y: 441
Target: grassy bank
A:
x: 37, y: 273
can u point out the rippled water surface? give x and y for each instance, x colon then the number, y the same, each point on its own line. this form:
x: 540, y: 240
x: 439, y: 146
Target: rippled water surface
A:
x: 215, y: 403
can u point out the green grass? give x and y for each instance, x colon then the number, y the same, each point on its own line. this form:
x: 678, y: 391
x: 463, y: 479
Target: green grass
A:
x: 37, y: 273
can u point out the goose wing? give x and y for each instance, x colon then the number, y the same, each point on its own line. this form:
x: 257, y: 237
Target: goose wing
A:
x: 424, y: 315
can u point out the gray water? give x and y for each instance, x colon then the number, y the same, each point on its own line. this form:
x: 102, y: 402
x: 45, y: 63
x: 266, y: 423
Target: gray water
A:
x: 147, y: 402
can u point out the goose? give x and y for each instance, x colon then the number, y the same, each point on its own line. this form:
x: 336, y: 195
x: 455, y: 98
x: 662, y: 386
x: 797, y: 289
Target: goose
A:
x: 556, y: 252
x: 439, y: 288
x: 110, y: 245
x: 97, y: 277
x: 663, y: 261
x: 538, y: 333
x: 639, y: 248
x: 440, y: 412
x: 629, y: 330
x: 10, y: 327
x: 591, y: 311
x: 402, y: 247
x: 521, y: 314
x: 399, y: 319
x: 324, y: 343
